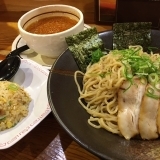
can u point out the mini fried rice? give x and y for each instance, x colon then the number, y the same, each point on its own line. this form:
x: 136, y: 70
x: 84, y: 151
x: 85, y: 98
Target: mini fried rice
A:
x: 14, y: 103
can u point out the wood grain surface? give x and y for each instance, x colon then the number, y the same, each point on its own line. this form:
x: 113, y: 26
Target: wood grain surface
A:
x: 17, y: 6
x: 47, y: 141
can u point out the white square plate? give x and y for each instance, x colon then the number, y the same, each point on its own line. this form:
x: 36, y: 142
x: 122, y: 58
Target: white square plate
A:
x: 33, y: 78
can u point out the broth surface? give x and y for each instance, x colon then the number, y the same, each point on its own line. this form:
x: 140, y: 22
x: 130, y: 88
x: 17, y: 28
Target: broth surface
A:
x: 51, y: 25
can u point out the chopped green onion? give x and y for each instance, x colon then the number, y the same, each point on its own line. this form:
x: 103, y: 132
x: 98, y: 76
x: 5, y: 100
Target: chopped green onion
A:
x: 143, y: 80
x: 153, y: 78
x: 150, y: 90
x: 2, y: 117
x: 157, y: 85
x: 13, y: 87
x: 96, y: 55
x: 104, y: 74
x: 153, y: 96
x: 129, y: 76
x: 142, y: 66
x: 128, y: 86
x: 150, y: 93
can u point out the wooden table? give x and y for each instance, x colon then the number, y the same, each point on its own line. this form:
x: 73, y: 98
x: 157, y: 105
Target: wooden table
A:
x: 48, y: 140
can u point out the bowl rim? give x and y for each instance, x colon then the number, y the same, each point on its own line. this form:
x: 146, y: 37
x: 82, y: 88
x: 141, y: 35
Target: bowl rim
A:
x: 81, y: 20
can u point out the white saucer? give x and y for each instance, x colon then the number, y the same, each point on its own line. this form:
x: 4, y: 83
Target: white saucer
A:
x: 46, y: 62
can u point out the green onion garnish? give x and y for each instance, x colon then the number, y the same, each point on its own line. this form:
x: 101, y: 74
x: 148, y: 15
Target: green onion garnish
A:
x: 2, y: 117
x: 96, y: 55
x: 150, y: 93
x: 13, y: 87
x: 141, y: 65
x: 153, y: 78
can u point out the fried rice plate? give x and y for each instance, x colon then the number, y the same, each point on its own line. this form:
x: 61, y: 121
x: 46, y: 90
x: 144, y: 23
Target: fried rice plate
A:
x: 14, y: 103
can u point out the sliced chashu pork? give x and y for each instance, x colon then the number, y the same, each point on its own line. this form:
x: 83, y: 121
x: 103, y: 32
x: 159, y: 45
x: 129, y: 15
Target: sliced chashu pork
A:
x: 129, y: 102
x: 158, y: 119
x: 148, y: 115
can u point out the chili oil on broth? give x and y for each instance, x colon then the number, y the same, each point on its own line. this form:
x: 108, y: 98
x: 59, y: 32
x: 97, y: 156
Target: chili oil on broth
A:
x: 51, y: 25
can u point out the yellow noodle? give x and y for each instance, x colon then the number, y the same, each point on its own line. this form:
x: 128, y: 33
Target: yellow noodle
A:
x: 100, y: 92
x: 101, y: 83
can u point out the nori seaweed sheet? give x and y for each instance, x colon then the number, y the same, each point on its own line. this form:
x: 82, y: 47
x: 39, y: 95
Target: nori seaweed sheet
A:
x: 133, y: 33
x: 82, y: 45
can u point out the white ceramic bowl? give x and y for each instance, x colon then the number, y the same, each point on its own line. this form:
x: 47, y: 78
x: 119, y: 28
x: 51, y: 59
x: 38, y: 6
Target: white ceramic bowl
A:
x: 50, y: 45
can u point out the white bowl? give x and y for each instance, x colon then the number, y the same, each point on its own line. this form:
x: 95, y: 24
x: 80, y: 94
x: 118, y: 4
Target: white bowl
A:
x: 50, y: 45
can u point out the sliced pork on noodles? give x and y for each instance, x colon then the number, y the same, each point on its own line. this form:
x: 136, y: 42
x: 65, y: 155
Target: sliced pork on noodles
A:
x: 148, y: 114
x: 158, y: 119
x: 121, y: 92
x: 129, y: 101
x: 158, y: 115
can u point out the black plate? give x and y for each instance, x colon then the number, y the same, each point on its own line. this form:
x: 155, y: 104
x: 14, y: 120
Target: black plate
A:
x: 63, y: 95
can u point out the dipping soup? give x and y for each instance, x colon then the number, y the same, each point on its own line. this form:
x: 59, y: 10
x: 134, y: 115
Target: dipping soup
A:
x: 50, y: 25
